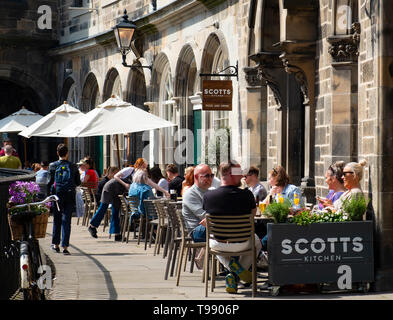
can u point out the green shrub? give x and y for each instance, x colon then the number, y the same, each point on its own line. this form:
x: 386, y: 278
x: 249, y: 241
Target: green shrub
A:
x: 279, y: 211
x: 355, y: 207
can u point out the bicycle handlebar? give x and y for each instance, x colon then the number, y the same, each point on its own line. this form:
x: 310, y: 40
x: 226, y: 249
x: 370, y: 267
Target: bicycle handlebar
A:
x: 46, y: 200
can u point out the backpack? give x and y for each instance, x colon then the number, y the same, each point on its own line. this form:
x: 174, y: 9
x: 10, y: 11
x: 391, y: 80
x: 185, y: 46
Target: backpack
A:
x: 63, y: 179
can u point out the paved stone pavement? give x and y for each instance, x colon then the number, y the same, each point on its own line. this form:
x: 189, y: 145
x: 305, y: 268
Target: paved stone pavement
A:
x: 102, y: 269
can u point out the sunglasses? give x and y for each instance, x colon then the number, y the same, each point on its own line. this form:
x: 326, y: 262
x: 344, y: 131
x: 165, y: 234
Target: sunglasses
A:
x: 347, y: 172
x: 207, y: 176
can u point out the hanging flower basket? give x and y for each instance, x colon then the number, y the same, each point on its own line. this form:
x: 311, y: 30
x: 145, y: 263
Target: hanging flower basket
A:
x: 22, y: 192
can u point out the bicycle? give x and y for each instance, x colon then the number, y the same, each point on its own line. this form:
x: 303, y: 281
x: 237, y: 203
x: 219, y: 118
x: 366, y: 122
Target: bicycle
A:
x: 31, y: 267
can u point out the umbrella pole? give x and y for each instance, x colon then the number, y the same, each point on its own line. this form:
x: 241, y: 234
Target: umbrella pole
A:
x: 118, y: 151
x: 25, y: 149
x: 128, y: 146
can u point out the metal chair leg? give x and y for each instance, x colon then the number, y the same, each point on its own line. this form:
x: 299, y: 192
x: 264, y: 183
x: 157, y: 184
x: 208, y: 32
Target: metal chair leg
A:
x: 166, y: 241
x: 170, y: 254
x: 174, y: 257
x: 180, y: 261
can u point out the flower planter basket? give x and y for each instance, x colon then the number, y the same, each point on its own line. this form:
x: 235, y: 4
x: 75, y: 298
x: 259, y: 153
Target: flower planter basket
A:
x: 315, y: 254
x: 40, y: 223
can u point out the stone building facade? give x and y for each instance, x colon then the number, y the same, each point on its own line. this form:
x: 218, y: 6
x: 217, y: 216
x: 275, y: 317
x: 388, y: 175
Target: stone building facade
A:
x: 27, y: 73
x: 315, y: 83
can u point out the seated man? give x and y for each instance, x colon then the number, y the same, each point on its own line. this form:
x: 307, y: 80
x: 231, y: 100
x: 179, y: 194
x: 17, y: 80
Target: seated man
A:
x: 252, y: 181
x: 192, y: 210
x: 229, y: 199
x: 175, y: 180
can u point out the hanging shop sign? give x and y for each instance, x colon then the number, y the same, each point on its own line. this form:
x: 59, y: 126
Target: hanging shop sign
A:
x: 217, y: 95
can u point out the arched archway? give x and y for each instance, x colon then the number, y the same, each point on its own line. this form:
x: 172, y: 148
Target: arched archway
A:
x: 90, y: 99
x: 215, y: 58
x: 136, y: 95
x: 112, y: 86
x: 13, y: 97
x: 167, y: 108
x: 186, y: 85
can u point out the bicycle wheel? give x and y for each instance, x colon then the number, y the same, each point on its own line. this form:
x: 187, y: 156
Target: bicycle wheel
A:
x: 38, y: 293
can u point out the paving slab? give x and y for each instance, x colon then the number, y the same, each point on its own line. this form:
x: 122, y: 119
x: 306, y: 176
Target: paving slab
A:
x: 102, y: 269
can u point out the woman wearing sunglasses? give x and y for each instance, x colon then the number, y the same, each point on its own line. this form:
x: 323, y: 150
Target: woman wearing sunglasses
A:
x: 352, y: 175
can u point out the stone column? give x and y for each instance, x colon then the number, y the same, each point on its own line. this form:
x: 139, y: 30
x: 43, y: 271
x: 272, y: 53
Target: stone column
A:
x: 382, y: 177
x: 256, y: 120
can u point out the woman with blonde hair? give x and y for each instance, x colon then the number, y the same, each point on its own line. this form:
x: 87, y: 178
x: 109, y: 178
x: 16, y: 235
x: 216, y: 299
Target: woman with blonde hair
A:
x: 352, y: 175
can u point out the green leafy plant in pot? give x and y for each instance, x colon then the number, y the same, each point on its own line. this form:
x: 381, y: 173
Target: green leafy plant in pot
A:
x: 355, y: 207
x: 279, y: 211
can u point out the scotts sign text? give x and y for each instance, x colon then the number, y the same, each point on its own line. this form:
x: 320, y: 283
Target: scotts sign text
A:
x: 217, y: 95
x: 315, y: 253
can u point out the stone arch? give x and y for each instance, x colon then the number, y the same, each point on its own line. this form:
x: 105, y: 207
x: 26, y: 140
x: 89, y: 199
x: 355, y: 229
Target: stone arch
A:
x: 90, y: 99
x: 165, y: 106
x: 136, y: 95
x: 69, y: 85
x: 112, y: 83
x: 215, y: 58
x: 16, y: 75
x: 215, y: 41
x: 90, y: 93
x: 112, y: 86
x: 159, y: 66
x: 186, y: 85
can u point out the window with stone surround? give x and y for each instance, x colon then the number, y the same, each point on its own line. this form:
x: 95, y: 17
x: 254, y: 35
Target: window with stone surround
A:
x: 167, y: 111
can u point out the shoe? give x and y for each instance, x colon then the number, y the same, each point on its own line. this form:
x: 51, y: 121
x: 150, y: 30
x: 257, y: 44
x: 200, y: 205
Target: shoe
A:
x: 243, y: 274
x: 262, y: 260
x: 118, y: 237
x: 93, y: 231
x: 54, y: 248
x: 230, y: 283
x: 66, y: 252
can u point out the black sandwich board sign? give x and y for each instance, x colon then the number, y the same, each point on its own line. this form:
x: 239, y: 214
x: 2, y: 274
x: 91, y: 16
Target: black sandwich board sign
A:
x: 320, y: 252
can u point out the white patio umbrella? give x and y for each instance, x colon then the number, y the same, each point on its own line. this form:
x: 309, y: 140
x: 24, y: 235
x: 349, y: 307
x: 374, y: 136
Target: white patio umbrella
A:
x: 51, y: 124
x: 19, y: 121
x: 114, y: 117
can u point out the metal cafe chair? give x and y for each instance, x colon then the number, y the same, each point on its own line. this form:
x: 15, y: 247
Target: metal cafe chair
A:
x: 133, y: 204
x: 186, y: 243
x: 232, y: 229
x: 151, y: 220
x: 162, y: 222
x: 174, y: 239
x: 90, y: 205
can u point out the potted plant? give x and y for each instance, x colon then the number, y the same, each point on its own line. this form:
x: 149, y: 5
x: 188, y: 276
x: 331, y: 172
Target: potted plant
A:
x: 279, y: 211
x: 310, y: 248
x: 22, y: 192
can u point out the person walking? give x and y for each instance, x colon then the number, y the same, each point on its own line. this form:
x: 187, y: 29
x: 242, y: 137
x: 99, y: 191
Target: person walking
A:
x: 8, y: 160
x: 64, y: 177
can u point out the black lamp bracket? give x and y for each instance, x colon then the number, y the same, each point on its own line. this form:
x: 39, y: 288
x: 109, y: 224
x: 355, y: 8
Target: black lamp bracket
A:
x: 133, y: 66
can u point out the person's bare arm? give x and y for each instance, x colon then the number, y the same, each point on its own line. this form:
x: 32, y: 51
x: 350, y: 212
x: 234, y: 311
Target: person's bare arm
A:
x: 118, y: 177
x: 157, y: 187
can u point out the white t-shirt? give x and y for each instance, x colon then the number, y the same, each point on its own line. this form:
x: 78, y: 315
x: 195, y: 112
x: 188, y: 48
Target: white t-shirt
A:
x: 163, y: 183
x: 125, y: 172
